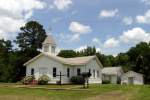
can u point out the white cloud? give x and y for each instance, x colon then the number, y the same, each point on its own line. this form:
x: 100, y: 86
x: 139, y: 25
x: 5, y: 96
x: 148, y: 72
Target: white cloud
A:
x: 14, y: 13
x: 111, y: 43
x: 108, y: 13
x: 84, y: 47
x: 98, y: 50
x: 135, y: 35
x: 81, y: 48
x: 61, y: 4
x: 67, y: 38
x: 79, y: 28
x: 128, y: 20
x: 57, y: 19
x: 128, y: 37
x: 74, y: 12
x: 144, y: 18
x: 75, y: 37
x: 96, y: 40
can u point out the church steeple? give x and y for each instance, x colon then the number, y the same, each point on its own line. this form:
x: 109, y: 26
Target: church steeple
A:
x: 49, y: 45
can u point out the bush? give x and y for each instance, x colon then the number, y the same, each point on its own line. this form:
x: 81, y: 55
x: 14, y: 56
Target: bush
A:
x: 77, y: 80
x: 43, y: 80
x: 58, y: 82
x: 27, y: 79
x: 106, y: 82
x: 119, y: 81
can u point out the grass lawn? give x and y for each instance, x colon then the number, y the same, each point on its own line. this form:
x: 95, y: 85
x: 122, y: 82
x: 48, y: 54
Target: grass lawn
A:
x: 95, y: 92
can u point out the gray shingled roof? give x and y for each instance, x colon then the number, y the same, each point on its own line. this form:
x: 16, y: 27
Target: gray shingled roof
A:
x: 49, y: 40
x: 72, y: 61
x: 68, y: 61
x: 132, y: 74
x: 111, y: 70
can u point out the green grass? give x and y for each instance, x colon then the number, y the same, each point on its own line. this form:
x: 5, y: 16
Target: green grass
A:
x: 95, y: 92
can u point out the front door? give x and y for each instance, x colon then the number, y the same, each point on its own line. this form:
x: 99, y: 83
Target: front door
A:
x: 130, y: 80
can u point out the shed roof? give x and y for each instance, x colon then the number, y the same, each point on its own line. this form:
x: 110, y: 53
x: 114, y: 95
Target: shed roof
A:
x: 111, y: 70
x: 132, y: 74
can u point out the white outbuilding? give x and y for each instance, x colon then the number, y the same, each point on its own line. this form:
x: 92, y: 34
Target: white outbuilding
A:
x: 132, y: 77
x: 112, y: 74
x: 47, y: 63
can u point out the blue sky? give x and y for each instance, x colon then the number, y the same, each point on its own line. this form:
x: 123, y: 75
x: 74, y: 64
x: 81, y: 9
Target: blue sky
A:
x: 112, y: 26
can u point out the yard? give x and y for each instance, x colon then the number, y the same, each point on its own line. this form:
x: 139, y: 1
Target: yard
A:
x: 74, y: 92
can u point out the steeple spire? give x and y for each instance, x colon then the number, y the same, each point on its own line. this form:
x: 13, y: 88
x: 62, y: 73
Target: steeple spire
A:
x: 49, y: 45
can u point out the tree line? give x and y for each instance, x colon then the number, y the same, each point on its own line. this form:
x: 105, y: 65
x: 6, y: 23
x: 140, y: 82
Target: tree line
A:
x: 29, y: 42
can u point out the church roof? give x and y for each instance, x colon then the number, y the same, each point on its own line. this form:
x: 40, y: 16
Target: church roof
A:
x: 111, y: 70
x: 49, y: 40
x: 68, y: 61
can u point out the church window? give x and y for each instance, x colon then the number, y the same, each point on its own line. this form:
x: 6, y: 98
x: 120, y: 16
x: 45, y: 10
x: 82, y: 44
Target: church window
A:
x: 32, y: 71
x: 78, y: 71
x: 68, y: 72
x: 54, y: 72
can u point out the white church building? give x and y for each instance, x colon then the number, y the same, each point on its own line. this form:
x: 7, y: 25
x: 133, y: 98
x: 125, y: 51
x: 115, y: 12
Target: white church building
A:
x: 47, y: 63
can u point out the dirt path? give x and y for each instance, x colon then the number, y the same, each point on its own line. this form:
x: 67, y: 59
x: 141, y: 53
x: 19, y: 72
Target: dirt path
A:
x: 113, y: 95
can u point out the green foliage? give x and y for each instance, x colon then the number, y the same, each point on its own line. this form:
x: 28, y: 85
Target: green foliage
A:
x: 106, y: 82
x: 5, y: 61
x: 67, y: 53
x: 29, y: 40
x: 43, y: 80
x: 77, y: 80
x: 136, y: 59
x: 111, y: 92
x: 121, y: 59
x: 106, y: 61
x: 89, y: 51
x: 139, y: 59
x: 31, y: 36
x: 27, y: 79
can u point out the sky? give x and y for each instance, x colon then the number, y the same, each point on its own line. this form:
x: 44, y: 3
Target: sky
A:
x: 112, y: 26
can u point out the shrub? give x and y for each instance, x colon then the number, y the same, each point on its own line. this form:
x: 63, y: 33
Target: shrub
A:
x: 43, y: 80
x: 58, y: 82
x: 119, y: 81
x: 77, y: 80
x: 106, y: 82
x: 27, y: 79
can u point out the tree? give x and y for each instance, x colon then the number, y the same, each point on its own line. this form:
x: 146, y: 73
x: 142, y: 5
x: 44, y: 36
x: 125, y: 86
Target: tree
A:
x: 5, y: 66
x: 67, y: 53
x: 139, y: 64
x: 31, y: 36
x: 139, y: 59
x: 89, y: 51
x: 121, y: 59
x: 29, y: 41
x: 102, y: 58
